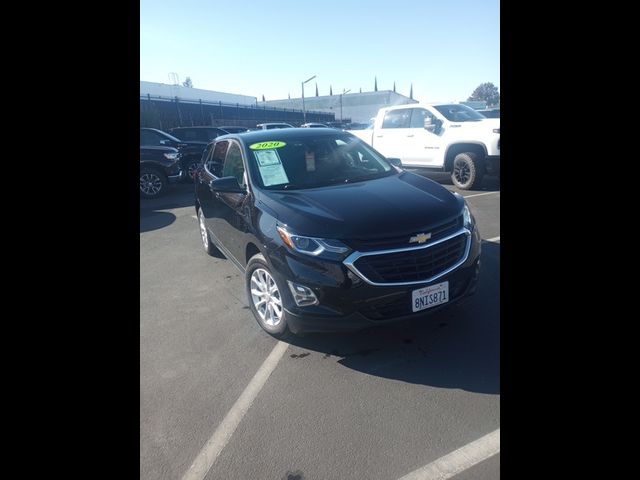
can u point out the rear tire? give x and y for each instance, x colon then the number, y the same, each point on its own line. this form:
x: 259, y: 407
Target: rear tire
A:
x: 207, y: 244
x: 468, y: 171
x: 153, y: 183
x: 265, y: 299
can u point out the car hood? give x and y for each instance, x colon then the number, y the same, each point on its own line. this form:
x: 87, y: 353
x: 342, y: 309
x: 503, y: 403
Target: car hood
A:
x: 404, y: 203
x: 157, y: 148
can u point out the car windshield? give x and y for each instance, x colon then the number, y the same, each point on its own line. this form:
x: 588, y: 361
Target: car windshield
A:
x: 310, y: 162
x: 459, y: 113
x: 171, y: 137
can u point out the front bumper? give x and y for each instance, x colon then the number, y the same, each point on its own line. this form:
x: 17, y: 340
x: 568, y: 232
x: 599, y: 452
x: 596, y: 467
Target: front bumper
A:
x: 348, y: 303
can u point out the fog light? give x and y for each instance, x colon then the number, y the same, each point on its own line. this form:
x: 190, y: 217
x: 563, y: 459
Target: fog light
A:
x: 302, y: 295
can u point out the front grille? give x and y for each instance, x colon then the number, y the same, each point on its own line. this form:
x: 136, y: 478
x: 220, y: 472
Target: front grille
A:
x: 401, y: 305
x: 399, y: 241
x: 412, y: 265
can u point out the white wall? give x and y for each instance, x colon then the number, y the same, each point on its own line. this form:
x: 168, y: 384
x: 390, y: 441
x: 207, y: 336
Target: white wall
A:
x: 359, y: 107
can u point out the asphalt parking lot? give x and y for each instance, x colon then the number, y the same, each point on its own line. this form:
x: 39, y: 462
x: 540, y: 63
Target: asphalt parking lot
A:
x: 378, y: 404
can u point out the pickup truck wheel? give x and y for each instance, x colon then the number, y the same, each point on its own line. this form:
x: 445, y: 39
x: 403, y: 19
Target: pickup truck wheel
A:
x: 152, y: 183
x: 265, y: 299
x: 467, y: 171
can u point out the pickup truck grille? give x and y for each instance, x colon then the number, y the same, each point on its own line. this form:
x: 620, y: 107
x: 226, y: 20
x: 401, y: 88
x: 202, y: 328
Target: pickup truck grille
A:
x: 416, y: 265
x: 399, y: 241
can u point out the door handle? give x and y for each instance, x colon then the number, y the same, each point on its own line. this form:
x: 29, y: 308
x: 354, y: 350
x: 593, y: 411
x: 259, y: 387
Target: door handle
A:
x: 378, y: 136
x: 410, y: 135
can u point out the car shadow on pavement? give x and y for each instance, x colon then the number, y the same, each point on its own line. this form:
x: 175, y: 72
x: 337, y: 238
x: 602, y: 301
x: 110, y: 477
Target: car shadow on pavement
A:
x: 155, y: 220
x: 151, y: 215
x: 458, y: 347
x: 177, y: 196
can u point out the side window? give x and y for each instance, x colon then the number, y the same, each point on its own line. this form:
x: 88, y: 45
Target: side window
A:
x: 233, y: 166
x: 397, y: 118
x: 147, y: 137
x: 214, y: 162
x: 418, y: 116
x: 206, y: 154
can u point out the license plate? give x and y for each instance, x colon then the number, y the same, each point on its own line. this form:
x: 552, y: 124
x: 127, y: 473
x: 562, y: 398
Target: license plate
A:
x: 430, y: 296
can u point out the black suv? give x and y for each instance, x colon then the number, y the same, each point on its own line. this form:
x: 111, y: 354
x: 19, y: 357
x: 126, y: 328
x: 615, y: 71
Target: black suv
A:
x: 203, y: 135
x: 190, y: 152
x: 331, y: 235
x: 159, y: 166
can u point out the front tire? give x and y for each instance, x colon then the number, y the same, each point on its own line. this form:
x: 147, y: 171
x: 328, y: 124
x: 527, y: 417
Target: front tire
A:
x: 152, y: 183
x: 264, y: 296
x: 468, y: 171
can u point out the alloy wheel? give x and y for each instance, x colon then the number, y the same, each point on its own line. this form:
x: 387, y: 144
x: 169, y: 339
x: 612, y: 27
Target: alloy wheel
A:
x: 266, y: 297
x: 150, y: 184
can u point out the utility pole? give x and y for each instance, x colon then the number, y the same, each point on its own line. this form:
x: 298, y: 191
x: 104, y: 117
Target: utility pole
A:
x: 304, y: 111
x: 343, y: 92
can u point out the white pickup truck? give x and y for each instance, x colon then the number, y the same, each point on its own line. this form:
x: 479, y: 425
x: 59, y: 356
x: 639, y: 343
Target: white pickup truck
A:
x: 447, y: 137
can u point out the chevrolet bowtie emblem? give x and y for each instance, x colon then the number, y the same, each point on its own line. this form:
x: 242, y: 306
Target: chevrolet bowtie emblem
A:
x: 420, y: 238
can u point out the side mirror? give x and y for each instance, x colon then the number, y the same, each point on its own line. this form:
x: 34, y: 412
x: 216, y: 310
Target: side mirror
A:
x: 226, y: 185
x: 396, y: 162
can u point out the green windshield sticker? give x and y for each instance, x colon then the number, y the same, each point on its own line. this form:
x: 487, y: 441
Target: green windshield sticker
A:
x: 266, y: 145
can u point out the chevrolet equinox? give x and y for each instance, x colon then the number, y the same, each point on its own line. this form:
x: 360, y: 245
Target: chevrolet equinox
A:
x: 331, y: 235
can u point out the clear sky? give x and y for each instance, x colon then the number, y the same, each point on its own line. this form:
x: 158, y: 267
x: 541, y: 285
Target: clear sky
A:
x: 445, y: 48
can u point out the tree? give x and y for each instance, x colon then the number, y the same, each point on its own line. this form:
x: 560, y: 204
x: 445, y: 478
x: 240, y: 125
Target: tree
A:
x: 375, y: 85
x: 316, y: 89
x: 330, y: 90
x: 394, y: 86
x: 188, y: 83
x: 487, y: 92
x: 263, y: 98
x: 411, y: 92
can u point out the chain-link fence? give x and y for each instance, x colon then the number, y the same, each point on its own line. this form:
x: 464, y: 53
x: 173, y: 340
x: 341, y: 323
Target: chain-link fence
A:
x: 164, y: 113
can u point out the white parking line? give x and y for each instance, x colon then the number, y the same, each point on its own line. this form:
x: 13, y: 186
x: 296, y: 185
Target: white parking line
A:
x: 480, y: 194
x: 494, y: 239
x: 459, y: 460
x: 209, y: 453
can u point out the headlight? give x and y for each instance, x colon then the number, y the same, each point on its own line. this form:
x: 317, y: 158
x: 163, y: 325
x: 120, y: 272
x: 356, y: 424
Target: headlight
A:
x: 312, y: 246
x: 467, y: 219
x: 171, y: 156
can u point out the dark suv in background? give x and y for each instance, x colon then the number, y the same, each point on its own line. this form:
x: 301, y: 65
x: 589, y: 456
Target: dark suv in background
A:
x: 190, y: 151
x: 198, y: 134
x: 234, y: 129
x: 159, y: 166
